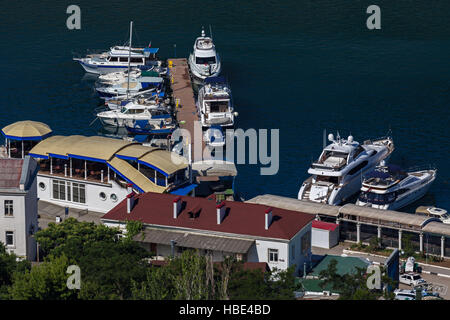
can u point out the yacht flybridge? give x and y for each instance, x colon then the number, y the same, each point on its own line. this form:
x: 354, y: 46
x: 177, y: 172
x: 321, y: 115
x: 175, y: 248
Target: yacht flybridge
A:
x: 204, y: 61
x: 119, y: 58
x: 337, y: 174
x: 389, y: 187
x: 215, y: 103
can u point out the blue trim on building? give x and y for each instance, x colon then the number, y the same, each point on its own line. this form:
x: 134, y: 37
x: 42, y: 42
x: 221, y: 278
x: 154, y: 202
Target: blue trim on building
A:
x: 36, y: 138
x: 125, y: 178
x: 34, y: 155
x: 85, y: 158
x: 153, y: 167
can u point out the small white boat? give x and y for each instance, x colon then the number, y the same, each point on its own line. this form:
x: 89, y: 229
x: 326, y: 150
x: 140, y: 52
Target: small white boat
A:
x: 336, y: 175
x: 388, y: 187
x: 204, y: 61
x: 434, y: 212
x: 215, y: 104
x: 132, y: 113
x: 214, y: 137
x: 132, y: 87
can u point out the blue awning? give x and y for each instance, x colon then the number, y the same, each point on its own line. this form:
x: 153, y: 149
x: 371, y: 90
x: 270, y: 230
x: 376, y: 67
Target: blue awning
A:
x: 151, y: 50
x: 185, y: 190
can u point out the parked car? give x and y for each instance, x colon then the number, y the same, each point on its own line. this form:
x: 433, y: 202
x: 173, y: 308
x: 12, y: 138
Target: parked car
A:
x: 401, y: 294
x: 412, y: 279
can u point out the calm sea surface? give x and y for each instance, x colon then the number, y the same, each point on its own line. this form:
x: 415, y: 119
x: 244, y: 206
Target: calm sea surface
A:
x: 300, y: 66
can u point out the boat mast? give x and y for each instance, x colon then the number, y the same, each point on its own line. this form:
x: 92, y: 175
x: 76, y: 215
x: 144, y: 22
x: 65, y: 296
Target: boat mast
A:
x: 129, y: 58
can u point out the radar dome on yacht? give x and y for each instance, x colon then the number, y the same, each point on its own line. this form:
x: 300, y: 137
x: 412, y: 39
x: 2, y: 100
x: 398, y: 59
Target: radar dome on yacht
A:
x: 331, y: 137
x: 203, y: 32
x: 350, y: 139
x: 382, y: 163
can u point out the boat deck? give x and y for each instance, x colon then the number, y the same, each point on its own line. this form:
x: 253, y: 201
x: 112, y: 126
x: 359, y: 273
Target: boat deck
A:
x: 182, y: 90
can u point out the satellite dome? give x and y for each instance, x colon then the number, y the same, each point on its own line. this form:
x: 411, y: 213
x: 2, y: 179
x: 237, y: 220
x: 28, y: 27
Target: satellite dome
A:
x: 331, y: 137
x: 350, y: 139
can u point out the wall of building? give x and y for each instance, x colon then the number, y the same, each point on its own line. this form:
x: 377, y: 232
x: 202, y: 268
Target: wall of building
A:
x: 299, y: 255
x: 31, y: 220
x: 320, y: 238
x: 93, y: 200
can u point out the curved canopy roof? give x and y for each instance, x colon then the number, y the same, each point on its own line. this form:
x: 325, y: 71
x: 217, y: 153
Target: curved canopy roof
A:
x: 27, y: 130
x: 88, y: 148
x: 168, y: 162
x: 437, y: 228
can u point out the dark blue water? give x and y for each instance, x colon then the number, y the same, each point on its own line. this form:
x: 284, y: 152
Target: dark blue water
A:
x: 300, y: 66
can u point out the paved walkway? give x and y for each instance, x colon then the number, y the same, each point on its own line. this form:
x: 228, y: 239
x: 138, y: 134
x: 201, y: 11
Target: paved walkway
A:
x: 48, y: 212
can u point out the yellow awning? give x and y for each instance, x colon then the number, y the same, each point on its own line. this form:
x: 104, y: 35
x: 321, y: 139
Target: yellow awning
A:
x: 26, y: 130
x: 135, y: 151
x: 169, y: 162
x: 134, y: 176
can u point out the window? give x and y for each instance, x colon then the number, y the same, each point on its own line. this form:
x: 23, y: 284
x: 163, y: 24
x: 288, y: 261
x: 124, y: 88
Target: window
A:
x: 59, y: 190
x: 113, y: 197
x: 9, y: 238
x: 9, y: 208
x: 102, y: 196
x: 123, y: 59
x: 42, y: 186
x: 205, y: 60
x: 273, y: 255
x: 306, y: 243
x: 358, y: 167
x: 79, y: 192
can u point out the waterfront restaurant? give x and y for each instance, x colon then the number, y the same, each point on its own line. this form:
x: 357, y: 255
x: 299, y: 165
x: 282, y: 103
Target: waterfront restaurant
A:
x: 94, y: 173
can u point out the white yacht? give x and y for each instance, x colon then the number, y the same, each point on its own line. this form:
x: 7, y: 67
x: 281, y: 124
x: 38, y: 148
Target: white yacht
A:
x: 215, y: 104
x: 434, y: 212
x: 119, y: 58
x: 116, y: 59
x: 337, y: 174
x: 134, y: 86
x: 138, y: 115
x: 388, y: 187
x: 204, y: 61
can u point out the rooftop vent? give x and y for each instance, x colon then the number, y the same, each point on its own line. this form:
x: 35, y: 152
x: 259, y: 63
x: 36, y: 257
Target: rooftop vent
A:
x: 268, y: 219
x: 176, y: 207
x: 130, y: 201
x: 221, y: 208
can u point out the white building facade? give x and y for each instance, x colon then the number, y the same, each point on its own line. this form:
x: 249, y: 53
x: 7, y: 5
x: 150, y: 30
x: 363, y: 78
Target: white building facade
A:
x: 18, y: 206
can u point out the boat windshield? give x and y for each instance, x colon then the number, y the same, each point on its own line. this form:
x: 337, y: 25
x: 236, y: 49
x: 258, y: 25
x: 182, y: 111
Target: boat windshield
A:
x: 205, y: 60
x: 218, y: 106
x: 376, y: 198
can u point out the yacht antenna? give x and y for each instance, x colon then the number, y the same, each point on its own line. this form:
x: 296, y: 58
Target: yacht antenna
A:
x: 129, y: 58
x: 324, y: 138
x: 210, y: 32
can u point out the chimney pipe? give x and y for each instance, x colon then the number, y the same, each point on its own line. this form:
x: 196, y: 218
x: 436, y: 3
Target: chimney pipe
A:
x: 129, y: 188
x: 176, y: 207
x: 220, y: 209
x: 268, y: 218
x: 130, y: 202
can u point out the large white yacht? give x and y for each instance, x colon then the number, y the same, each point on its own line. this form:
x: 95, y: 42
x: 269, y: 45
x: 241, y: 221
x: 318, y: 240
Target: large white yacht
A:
x: 215, y: 104
x: 119, y: 58
x: 389, y: 187
x: 204, y: 61
x: 337, y: 174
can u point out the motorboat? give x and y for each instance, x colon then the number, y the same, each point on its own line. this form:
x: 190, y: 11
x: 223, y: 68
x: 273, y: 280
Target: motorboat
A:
x: 337, y: 174
x: 155, y: 114
x: 144, y: 97
x: 204, y: 61
x: 434, y: 212
x: 389, y: 187
x: 214, y: 137
x: 214, y: 103
x: 122, y: 76
x: 119, y: 58
x: 134, y: 86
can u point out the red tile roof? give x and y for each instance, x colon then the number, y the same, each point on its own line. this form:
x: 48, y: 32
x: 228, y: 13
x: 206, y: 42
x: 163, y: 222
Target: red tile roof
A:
x: 240, y: 218
x: 324, y: 225
x: 10, y: 172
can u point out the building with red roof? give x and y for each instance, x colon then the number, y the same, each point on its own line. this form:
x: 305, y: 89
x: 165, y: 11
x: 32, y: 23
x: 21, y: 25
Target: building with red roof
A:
x: 251, y: 232
x: 324, y: 234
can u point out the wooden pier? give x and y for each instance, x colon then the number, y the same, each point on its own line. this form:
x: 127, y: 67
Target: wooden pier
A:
x: 183, y: 92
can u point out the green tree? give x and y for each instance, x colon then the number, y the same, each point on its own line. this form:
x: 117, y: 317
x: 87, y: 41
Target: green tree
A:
x: 108, y: 269
x: 133, y: 228
x: 47, y: 281
x: 156, y: 286
x: 9, y: 264
x: 71, y: 236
